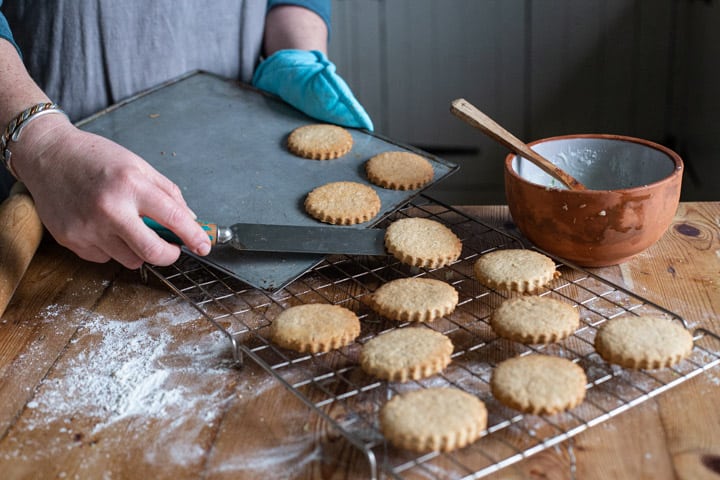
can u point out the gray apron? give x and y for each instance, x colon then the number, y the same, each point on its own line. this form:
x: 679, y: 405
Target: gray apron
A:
x: 88, y: 54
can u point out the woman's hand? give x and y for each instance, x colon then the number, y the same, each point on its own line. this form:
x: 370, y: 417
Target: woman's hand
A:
x: 92, y: 193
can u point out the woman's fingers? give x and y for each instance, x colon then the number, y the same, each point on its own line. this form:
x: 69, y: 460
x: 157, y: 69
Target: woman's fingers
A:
x: 92, y: 193
x: 173, y: 214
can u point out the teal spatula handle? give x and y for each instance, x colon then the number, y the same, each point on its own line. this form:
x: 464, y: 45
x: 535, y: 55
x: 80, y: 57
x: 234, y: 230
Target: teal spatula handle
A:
x: 167, y: 234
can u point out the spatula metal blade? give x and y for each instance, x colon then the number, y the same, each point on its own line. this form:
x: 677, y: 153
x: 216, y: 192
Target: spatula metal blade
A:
x: 308, y: 239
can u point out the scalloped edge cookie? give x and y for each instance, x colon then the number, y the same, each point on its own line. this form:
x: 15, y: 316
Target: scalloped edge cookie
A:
x: 406, y: 354
x: 645, y: 341
x: 433, y: 419
x: 320, y: 141
x: 343, y: 203
x: 533, y: 319
x: 399, y: 170
x: 539, y: 384
x: 518, y: 270
x: 315, y: 327
x: 414, y: 299
x: 421, y: 242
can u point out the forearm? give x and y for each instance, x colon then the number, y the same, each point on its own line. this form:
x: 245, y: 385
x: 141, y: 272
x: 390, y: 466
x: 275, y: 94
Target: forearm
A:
x: 18, y: 92
x: 297, y: 68
x: 293, y: 27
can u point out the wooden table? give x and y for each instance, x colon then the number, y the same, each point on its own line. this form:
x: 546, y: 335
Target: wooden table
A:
x: 104, y: 376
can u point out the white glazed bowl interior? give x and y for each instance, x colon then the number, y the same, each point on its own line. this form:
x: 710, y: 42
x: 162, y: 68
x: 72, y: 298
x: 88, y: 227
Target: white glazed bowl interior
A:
x: 598, y: 163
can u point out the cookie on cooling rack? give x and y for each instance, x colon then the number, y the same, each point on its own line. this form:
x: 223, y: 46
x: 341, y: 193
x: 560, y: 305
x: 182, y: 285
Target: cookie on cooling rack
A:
x: 645, y: 341
x: 315, y: 327
x: 422, y: 242
x: 414, y: 299
x: 399, y: 170
x: 406, y: 354
x: 343, y: 203
x: 539, y: 384
x: 533, y: 319
x: 516, y: 270
x: 320, y: 141
x: 433, y: 419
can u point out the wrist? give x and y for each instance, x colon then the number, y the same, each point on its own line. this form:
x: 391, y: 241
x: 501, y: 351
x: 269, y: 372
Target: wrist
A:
x: 294, y: 27
x: 27, y: 146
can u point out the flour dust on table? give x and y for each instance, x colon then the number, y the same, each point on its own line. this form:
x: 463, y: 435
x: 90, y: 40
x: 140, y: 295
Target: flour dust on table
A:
x: 120, y: 379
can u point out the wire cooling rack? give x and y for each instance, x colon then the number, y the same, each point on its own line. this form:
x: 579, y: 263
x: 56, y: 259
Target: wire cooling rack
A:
x: 333, y: 385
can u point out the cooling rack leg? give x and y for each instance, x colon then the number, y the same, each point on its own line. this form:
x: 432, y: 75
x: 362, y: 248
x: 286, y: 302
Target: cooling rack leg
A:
x: 238, y: 357
x: 372, y: 463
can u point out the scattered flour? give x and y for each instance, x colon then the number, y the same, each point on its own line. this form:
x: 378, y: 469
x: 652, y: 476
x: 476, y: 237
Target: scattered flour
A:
x: 129, y: 377
x: 279, y: 462
x: 132, y: 376
x: 154, y: 389
x: 127, y: 372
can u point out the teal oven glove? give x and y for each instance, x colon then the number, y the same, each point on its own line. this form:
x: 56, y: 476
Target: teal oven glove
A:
x: 307, y: 81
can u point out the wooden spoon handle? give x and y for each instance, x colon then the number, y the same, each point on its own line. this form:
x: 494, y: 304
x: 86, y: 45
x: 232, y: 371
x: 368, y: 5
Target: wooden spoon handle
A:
x: 470, y: 114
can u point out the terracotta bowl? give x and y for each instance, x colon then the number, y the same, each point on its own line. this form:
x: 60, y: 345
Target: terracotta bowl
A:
x: 633, y: 194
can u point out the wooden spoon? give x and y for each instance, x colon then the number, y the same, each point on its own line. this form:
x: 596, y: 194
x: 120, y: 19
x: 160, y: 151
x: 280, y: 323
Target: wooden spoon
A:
x: 470, y: 114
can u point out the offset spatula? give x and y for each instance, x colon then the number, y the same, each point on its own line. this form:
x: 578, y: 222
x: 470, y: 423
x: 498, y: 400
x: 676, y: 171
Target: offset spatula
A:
x: 254, y: 237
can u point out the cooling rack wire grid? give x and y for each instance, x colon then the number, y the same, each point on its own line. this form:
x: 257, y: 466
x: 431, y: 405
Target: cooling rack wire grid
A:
x: 333, y: 385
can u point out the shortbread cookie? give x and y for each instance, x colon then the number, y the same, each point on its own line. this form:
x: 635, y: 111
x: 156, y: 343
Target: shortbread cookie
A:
x: 643, y: 341
x: 406, y: 354
x: 539, y: 384
x: 433, y: 419
x: 414, y: 299
x: 515, y: 269
x: 343, y: 203
x: 533, y: 319
x: 320, y: 141
x: 421, y: 242
x: 315, y: 327
x: 399, y: 170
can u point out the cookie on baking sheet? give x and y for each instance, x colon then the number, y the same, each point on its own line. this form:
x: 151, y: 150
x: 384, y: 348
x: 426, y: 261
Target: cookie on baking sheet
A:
x: 406, y: 354
x: 399, y: 170
x: 534, y: 319
x: 320, y: 141
x: 343, y: 203
x: 421, y: 242
x: 315, y: 327
x: 517, y: 270
x: 414, y: 299
x: 433, y: 419
x: 539, y: 384
x: 644, y: 341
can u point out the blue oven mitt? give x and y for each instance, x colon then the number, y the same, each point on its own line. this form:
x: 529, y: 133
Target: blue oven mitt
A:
x: 307, y: 81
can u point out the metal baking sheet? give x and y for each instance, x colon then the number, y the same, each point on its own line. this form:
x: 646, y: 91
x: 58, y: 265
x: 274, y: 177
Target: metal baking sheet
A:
x: 224, y: 144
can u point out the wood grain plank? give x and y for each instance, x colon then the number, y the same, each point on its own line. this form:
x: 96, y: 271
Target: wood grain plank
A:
x: 134, y: 393
x: 36, y: 328
x: 131, y: 382
x: 268, y: 433
x: 663, y: 438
